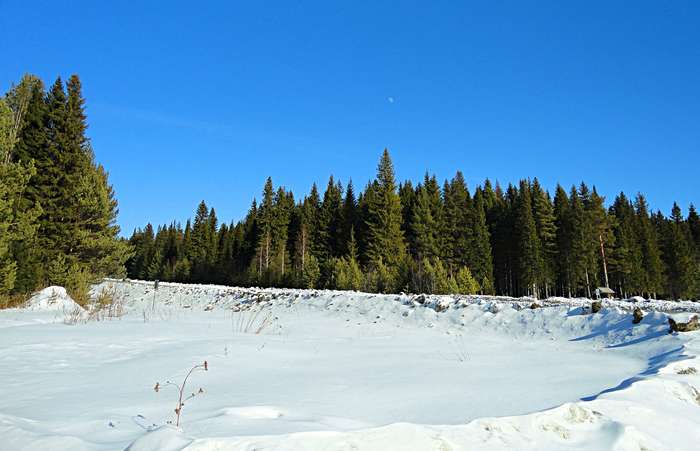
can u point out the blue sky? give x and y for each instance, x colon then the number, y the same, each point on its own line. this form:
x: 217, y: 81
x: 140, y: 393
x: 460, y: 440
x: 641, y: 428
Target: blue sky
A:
x: 203, y: 100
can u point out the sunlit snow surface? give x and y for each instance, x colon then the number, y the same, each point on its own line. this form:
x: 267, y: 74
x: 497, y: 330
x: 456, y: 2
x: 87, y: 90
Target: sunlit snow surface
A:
x: 339, y: 370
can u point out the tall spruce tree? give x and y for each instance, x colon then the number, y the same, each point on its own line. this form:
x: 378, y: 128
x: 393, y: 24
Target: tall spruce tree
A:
x: 564, y: 228
x: 17, y: 219
x: 681, y: 266
x: 385, y: 241
x: 651, y: 257
x: 426, y: 223
x: 528, y: 244
x: 545, y: 224
x: 459, y: 224
x: 481, y: 262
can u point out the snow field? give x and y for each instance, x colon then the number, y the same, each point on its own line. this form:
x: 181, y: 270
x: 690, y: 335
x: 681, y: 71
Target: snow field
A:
x: 338, y: 370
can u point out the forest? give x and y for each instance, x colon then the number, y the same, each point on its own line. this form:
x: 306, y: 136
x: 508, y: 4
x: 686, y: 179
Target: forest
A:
x: 58, y: 216
x: 432, y: 238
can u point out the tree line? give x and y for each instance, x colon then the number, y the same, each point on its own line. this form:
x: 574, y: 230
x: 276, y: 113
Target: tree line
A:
x: 58, y: 226
x: 57, y: 208
x: 433, y: 238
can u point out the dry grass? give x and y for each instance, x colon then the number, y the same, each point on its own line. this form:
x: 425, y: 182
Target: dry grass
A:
x: 74, y: 316
x: 12, y: 301
x: 106, y: 306
x: 251, y: 321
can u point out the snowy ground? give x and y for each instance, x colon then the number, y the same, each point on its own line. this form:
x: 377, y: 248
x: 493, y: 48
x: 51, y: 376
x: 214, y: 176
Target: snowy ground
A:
x: 341, y: 371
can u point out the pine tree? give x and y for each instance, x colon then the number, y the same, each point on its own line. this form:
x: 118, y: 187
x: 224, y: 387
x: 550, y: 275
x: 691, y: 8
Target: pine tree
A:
x: 385, y: 239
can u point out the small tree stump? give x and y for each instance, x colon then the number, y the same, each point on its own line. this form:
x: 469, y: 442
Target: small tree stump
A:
x: 693, y: 324
x: 596, y: 306
x: 637, y: 315
x: 535, y: 305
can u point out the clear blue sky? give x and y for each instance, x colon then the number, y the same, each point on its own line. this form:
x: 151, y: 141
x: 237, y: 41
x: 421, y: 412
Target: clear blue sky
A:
x: 197, y: 100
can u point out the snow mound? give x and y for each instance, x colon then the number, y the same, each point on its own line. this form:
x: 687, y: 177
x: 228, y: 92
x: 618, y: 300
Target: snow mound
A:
x: 52, y: 299
x: 164, y: 438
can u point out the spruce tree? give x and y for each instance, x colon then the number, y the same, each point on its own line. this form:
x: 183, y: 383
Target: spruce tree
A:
x: 528, y: 245
x: 627, y: 267
x: 545, y: 224
x: 349, y: 220
x: 564, y: 228
x: 17, y: 221
x: 651, y: 255
x: 385, y: 239
x: 694, y: 227
x: 679, y: 259
x: 426, y: 222
x: 459, y: 224
x: 481, y: 262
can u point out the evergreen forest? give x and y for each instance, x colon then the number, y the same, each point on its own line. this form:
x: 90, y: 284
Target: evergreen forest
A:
x: 58, y: 226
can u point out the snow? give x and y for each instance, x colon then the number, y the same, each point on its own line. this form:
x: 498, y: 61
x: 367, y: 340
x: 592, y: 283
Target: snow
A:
x: 344, y: 370
x: 52, y: 299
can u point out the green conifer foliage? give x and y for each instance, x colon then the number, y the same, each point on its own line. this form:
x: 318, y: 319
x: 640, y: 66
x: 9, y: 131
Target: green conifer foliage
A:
x: 682, y: 269
x: 385, y: 243
x: 651, y: 257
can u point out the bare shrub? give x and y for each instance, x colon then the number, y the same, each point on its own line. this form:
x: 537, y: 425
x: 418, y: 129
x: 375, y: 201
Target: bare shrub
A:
x: 74, y: 316
x: 181, y: 390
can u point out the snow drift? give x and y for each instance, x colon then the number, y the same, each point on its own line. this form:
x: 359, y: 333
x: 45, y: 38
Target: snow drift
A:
x: 52, y: 299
